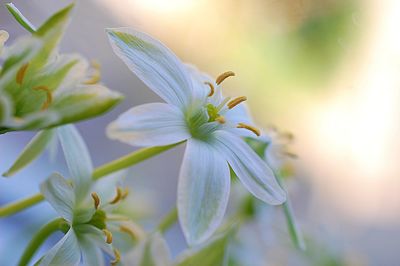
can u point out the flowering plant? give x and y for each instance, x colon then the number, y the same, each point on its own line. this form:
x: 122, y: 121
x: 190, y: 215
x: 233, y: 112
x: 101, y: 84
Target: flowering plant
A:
x: 45, y: 91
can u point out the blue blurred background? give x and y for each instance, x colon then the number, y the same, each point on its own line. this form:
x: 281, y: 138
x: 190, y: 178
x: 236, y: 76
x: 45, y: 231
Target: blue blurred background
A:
x: 327, y: 71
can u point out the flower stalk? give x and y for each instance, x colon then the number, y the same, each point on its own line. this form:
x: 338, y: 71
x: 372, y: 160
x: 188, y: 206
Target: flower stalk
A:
x: 293, y: 229
x: 170, y: 219
x: 58, y: 224
x: 20, y: 205
x: 101, y: 171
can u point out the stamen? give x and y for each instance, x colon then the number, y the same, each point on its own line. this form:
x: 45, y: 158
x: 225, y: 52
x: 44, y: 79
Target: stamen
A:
x: 108, y: 235
x: 117, y: 257
x: 3, y: 36
x: 49, y: 96
x: 96, y: 76
x: 219, y: 107
x: 251, y: 128
x: 96, y: 200
x: 290, y: 154
x: 129, y: 231
x: 236, y: 101
x: 125, y: 194
x: 21, y: 74
x: 223, y: 76
x: 211, y: 88
x: 287, y: 135
x: 220, y: 119
x: 117, y: 197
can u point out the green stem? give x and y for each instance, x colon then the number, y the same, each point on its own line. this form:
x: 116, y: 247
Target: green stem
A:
x: 101, y: 171
x: 58, y: 224
x: 20, y: 205
x: 20, y: 18
x: 129, y: 160
x: 168, y: 221
x: 293, y: 229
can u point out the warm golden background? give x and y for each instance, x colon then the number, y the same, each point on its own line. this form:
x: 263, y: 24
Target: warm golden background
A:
x: 326, y: 70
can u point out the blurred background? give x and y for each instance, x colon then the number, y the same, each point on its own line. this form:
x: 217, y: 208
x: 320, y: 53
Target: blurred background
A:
x: 326, y: 70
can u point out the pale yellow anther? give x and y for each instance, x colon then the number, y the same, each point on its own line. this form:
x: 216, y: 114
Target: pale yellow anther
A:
x: 109, y: 237
x: 220, y: 119
x: 251, y: 128
x: 117, y: 257
x: 96, y: 200
x: 49, y: 96
x: 224, y: 76
x: 287, y: 135
x: 129, y: 231
x: 3, y: 37
x: 290, y: 154
x: 21, y: 74
x: 117, y: 197
x: 236, y: 101
x: 211, y: 88
x: 96, y: 76
x: 125, y: 193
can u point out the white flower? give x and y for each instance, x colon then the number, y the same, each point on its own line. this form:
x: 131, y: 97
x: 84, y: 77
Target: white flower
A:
x: 87, y: 214
x: 3, y: 38
x: 196, y: 111
x: 277, y: 153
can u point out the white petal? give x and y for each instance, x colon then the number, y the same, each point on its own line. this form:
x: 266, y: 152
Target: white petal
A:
x: 203, y: 191
x: 66, y: 252
x: 60, y: 194
x: 77, y: 157
x: 254, y: 173
x: 156, y: 65
x: 150, y: 124
x: 91, y: 255
x: 239, y: 114
x: 200, y: 89
x: 151, y: 251
x: 3, y: 38
x: 92, y: 242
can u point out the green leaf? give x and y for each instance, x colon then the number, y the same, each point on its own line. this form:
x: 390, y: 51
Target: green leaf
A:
x: 212, y: 253
x: 34, y: 148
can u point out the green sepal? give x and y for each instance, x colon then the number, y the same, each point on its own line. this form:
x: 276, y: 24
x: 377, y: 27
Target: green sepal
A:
x: 211, y: 254
x: 34, y: 148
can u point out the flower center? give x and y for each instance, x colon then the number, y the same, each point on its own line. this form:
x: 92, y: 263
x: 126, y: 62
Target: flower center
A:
x: 215, y: 112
